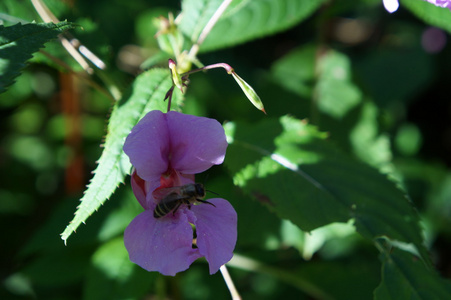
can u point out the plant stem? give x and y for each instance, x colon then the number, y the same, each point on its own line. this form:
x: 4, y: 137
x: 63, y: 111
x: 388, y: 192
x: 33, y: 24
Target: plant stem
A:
x: 229, y: 282
x: 225, y: 66
x: 208, y: 27
x: 73, y: 46
x: 47, y: 16
x: 245, y: 87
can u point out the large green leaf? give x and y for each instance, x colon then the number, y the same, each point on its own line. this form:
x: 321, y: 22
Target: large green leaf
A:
x: 289, y: 166
x: 19, y: 42
x: 244, y: 20
x: 429, y: 13
x: 405, y: 277
x: 146, y: 94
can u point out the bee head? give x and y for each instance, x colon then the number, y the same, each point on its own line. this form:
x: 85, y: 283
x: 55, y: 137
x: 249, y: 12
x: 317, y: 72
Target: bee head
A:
x: 200, y: 189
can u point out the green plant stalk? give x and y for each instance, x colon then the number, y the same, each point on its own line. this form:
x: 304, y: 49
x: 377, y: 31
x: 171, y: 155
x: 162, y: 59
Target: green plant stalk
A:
x: 208, y: 27
x: 245, y: 87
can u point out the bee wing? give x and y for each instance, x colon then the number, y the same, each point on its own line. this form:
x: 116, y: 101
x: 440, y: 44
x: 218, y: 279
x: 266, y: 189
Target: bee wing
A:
x: 172, y: 197
x: 164, y: 192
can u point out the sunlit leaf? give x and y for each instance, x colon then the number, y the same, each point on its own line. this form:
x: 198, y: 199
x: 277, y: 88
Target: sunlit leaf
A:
x: 336, y: 94
x: 295, y: 71
x: 19, y: 42
x: 146, y: 94
x: 288, y: 166
x: 368, y: 144
x: 244, y: 20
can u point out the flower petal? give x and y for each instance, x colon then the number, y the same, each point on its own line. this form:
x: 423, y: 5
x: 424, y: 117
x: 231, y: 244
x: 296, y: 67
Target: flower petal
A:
x: 163, y: 245
x: 216, y: 228
x: 148, y: 147
x: 197, y: 143
x: 139, y: 189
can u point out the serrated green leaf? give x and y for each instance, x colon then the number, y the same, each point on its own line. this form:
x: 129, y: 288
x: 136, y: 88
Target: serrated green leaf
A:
x: 429, y: 13
x: 287, y: 165
x: 243, y: 20
x: 19, y: 42
x: 146, y: 94
x: 406, y: 277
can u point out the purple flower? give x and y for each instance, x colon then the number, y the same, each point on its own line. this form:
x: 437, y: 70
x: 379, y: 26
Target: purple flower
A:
x: 167, y: 150
x: 441, y: 3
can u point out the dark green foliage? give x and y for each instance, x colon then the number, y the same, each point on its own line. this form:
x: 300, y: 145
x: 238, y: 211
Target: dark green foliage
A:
x: 342, y: 191
x: 19, y: 42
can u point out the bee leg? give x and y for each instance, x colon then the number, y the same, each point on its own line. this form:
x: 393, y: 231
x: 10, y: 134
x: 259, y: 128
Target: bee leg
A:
x: 205, y: 201
x: 177, y: 207
x: 187, y: 203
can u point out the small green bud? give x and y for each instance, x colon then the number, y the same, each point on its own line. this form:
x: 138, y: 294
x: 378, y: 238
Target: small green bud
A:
x: 176, y: 79
x: 248, y: 91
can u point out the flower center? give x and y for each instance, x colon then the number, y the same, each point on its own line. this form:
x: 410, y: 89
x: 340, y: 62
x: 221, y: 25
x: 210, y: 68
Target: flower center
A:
x: 168, y: 178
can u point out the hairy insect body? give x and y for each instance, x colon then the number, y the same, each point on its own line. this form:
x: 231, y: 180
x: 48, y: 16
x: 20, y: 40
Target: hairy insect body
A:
x: 176, y: 196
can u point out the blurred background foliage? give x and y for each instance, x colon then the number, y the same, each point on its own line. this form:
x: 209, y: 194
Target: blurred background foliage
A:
x: 389, y: 72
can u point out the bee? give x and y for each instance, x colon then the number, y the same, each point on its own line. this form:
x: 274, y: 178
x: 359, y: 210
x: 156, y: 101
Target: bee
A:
x: 175, y: 196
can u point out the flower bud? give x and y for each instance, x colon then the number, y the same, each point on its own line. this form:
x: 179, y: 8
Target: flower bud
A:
x: 249, y: 92
x: 176, y: 79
